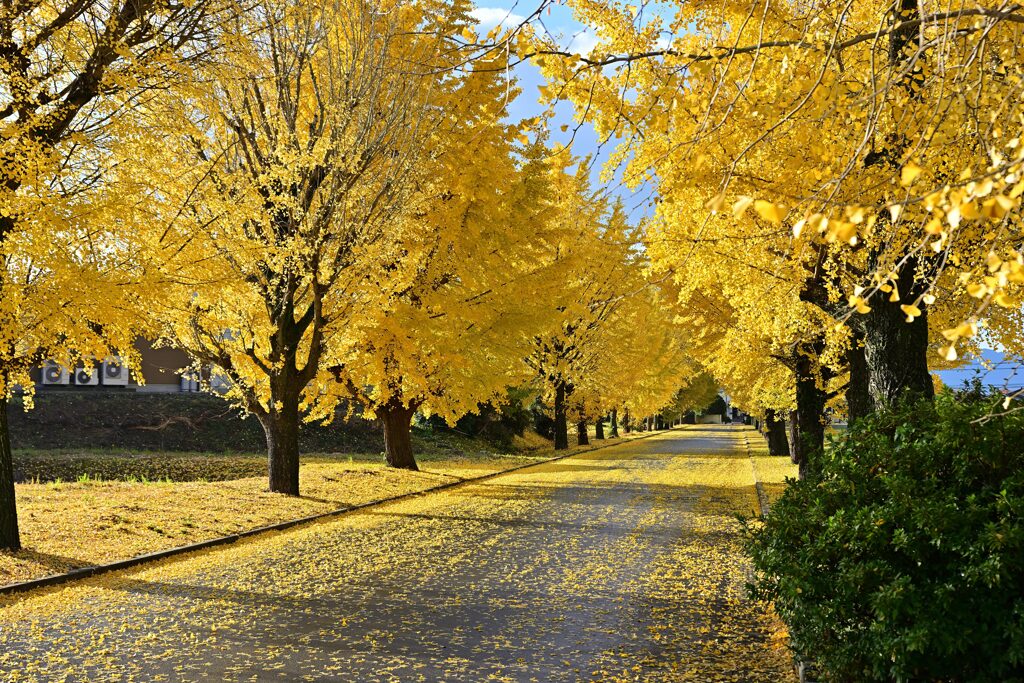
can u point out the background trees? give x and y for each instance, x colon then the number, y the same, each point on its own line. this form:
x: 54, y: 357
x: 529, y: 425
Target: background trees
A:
x: 611, y: 342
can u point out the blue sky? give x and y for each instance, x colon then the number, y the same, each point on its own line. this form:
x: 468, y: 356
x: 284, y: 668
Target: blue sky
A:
x: 559, y: 22
x: 994, y: 369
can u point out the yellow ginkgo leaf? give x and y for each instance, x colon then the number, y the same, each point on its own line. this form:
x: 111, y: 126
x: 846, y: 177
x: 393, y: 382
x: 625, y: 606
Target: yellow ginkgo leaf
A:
x: 860, y: 304
x: 912, y: 312
x: 909, y: 174
x: 715, y: 203
x: 773, y: 213
x: 798, y: 227
x: 977, y: 290
x: 1004, y: 300
x: 740, y: 206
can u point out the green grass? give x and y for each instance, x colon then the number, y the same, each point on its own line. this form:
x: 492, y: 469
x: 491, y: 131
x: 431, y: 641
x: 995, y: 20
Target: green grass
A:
x: 85, y: 465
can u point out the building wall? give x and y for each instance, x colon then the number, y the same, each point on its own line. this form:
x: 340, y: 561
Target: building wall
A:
x: 160, y: 368
x: 160, y: 372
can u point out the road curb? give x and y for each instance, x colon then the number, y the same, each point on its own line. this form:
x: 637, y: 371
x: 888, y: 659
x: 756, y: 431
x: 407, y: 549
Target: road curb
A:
x: 762, y: 497
x: 96, y: 570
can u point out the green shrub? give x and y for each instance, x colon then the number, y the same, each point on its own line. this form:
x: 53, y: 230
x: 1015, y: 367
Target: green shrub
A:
x: 904, y: 560
x: 495, y: 422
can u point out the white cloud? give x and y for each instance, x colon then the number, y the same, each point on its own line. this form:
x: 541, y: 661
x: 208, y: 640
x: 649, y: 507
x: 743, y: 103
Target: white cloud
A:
x: 489, y: 17
x: 583, y: 42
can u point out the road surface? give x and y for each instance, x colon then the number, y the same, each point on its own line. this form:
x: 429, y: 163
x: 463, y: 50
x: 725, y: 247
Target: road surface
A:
x: 621, y: 564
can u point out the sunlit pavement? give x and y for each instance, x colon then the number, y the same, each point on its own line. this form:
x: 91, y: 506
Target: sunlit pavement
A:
x: 620, y: 564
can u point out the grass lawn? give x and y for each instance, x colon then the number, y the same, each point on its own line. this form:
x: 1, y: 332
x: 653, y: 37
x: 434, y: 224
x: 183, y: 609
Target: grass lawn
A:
x: 83, y: 508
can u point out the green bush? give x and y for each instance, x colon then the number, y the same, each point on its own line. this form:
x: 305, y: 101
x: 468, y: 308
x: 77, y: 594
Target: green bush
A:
x: 495, y: 422
x: 904, y: 560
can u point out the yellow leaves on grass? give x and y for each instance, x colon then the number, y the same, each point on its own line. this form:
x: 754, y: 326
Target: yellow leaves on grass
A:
x: 103, y: 521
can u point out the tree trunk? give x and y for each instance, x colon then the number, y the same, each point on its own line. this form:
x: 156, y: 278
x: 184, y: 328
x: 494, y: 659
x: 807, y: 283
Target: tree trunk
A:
x: 282, y: 429
x: 896, y: 351
x: 599, y: 428
x: 9, y: 537
x: 581, y: 433
x: 627, y: 424
x: 561, y: 424
x: 778, y: 444
x: 808, y: 429
x: 615, y: 423
x: 397, y: 421
x: 793, y: 434
x: 858, y: 393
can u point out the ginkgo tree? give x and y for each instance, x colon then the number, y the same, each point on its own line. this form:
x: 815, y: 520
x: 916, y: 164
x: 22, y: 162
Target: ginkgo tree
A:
x: 70, y: 74
x: 292, y: 188
x: 455, y: 335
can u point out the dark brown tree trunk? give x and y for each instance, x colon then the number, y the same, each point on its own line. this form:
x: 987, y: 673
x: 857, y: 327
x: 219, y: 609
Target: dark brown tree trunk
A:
x: 281, y: 426
x: 615, y: 423
x: 561, y: 423
x: 397, y: 421
x: 599, y: 428
x: 896, y: 351
x: 581, y: 433
x: 9, y: 537
x: 775, y: 428
x: 808, y: 441
x: 627, y: 424
x: 858, y: 393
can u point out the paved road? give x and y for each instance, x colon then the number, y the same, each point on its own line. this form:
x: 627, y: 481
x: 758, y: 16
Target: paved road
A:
x: 618, y: 565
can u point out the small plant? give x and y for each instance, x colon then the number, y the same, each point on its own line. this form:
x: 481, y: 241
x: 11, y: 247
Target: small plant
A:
x: 904, y: 560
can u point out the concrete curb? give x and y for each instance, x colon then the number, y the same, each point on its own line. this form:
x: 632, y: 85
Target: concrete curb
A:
x: 762, y: 497
x: 95, y: 570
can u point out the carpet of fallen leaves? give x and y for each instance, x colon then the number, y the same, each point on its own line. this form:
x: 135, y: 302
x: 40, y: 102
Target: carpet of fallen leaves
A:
x: 66, y: 525
x: 618, y: 565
